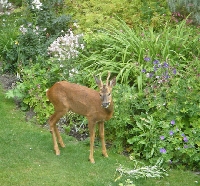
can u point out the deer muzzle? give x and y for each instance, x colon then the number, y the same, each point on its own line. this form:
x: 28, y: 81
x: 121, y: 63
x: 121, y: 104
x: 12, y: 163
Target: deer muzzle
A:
x: 106, y: 105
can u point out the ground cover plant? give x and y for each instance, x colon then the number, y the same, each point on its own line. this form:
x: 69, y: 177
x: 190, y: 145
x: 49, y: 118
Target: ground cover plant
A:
x: 157, y: 68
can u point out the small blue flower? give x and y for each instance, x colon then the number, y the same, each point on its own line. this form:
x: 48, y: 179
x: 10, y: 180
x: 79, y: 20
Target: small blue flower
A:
x: 171, y: 133
x: 167, y: 76
x: 155, y: 68
x: 162, y: 137
x: 149, y: 75
x: 172, y: 122
x: 165, y: 65
x: 163, y: 151
x: 143, y: 70
x: 174, y: 71
x: 185, y: 139
x: 147, y: 58
x: 156, y: 62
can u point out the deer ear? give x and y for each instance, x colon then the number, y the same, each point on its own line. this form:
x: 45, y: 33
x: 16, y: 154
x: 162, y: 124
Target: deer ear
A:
x: 113, y: 82
x: 98, y: 81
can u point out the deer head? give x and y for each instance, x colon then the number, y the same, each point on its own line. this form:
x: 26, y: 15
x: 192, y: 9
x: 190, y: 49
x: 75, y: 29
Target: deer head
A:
x: 105, y: 90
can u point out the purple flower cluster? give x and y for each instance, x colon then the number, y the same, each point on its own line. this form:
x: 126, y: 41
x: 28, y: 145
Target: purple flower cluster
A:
x: 161, y: 70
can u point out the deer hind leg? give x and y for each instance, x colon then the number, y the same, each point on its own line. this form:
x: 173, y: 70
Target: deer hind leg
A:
x: 54, y: 130
x: 91, y: 127
x: 101, y: 134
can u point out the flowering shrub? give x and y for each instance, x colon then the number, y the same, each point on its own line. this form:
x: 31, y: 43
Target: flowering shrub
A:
x: 5, y: 4
x: 185, y: 9
x: 66, y: 47
x: 41, y: 26
x: 36, y: 4
x: 165, y: 94
x: 44, y: 73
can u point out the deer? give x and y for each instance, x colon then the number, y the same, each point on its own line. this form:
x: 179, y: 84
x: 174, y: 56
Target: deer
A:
x: 96, y: 106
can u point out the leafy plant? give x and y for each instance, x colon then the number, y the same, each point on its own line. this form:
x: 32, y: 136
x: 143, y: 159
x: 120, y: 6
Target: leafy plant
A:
x: 41, y: 26
x: 123, y: 50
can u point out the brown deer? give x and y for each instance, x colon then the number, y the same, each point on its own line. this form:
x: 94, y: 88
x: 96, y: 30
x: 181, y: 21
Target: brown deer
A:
x: 96, y: 106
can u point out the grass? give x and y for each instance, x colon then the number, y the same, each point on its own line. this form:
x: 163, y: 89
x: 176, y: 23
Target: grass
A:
x: 27, y: 158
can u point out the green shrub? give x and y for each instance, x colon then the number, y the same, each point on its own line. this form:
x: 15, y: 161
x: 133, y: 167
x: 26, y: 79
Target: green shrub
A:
x: 8, y: 32
x: 39, y: 29
x: 93, y: 15
x: 16, y: 2
x: 163, y: 121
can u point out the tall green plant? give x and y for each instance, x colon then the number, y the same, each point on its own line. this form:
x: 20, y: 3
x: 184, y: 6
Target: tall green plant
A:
x: 123, y: 50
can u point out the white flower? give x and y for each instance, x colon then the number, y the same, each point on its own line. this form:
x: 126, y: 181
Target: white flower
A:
x: 76, y: 25
x: 23, y: 29
x: 36, y: 4
x: 66, y: 47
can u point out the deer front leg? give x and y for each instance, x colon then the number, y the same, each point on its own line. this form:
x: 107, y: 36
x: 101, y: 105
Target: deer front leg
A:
x: 54, y: 131
x: 101, y: 134
x: 59, y: 137
x: 55, y: 144
x: 92, y: 136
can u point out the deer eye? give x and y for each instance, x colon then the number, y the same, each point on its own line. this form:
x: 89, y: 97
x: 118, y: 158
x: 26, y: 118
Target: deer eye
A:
x: 108, y: 94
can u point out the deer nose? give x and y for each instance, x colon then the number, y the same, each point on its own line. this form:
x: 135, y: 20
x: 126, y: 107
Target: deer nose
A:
x: 105, y: 105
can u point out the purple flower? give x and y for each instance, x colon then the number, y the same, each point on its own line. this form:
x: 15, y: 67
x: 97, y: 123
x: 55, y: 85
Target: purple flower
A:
x: 183, y: 135
x: 143, y: 70
x: 185, y: 139
x: 165, y: 65
x: 166, y: 75
x: 174, y: 71
x: 155, y: 62
x: 171, y: 133
x: 149, y: 75
x: 172, y: 122
x: 155, y: 68
x: 163, y: 151
x: 147, y: 58
x: 162, y: 137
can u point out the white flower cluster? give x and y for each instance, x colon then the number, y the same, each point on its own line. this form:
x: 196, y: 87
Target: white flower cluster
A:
x: 36, y: 30
x: 66, y: 47
x: 36, y: 4
x: 5, y: 4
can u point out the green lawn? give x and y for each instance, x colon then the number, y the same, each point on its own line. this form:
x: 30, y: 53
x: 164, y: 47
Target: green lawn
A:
x: 27, y: 158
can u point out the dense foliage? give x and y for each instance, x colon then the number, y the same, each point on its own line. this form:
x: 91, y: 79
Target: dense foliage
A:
x: 157, y: 104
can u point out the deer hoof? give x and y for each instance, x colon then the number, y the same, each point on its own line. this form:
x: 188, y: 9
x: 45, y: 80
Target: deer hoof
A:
x: 57, y: 152
x: 105, y: 155
x: 62, y: 145
x: 91, y: 160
